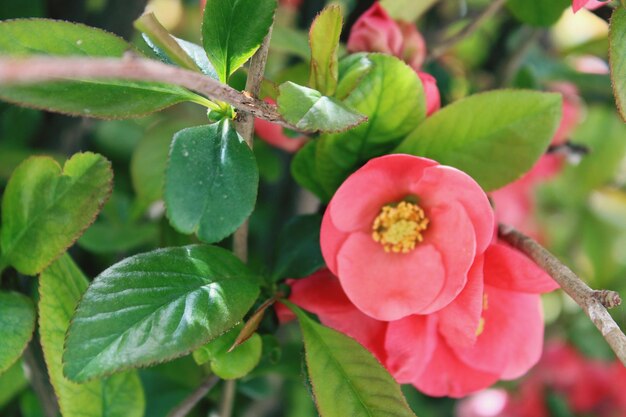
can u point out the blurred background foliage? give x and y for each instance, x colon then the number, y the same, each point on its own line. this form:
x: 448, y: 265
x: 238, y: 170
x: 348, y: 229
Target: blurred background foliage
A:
x: 581, y: 211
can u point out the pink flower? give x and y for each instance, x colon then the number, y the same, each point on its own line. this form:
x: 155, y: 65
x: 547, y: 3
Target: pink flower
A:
x: 433, y: 99
x: 275, y: 136
x: 376, y: 31
x: 487, y: 403
x: 402, y: 232
x: 492, y: 330
x: 588, y: 4
x: 571, y: 111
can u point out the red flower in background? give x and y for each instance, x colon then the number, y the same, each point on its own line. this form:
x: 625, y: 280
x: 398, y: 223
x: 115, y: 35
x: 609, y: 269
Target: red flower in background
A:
x: 275, y: 135
x: 402, y: 232
x: 588, y: 4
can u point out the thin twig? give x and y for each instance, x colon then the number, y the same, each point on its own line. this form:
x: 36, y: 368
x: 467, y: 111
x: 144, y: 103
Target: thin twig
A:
x: 468, y: 30
x: 41, y: 69
x: 228, y: 398
x: 194, y: 398
x: 594, y: 303
x: 40, y: 383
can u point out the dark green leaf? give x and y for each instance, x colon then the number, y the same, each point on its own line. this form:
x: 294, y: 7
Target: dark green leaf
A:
x: 347, y: 380
x: 298, y: 249
x: 236, y: 363
x: 506, y: 134
x: 154, y: 307
x: 46, y: 208
x: 60, y: 288
x: 304, y: 171
x: 309, y: 110
x: 324, y: 40
x: 233, y: 30
x: 211, y: 181
x: 617, y: 58
x: 538, y: 12
x: 17, y: 323
x: 12, y: 381
x: 98, y: 98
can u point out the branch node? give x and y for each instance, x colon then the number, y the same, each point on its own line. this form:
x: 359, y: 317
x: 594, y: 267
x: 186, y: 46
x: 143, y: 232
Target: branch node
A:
x: 608, y: 298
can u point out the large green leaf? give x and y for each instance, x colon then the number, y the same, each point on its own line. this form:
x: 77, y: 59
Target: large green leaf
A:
x: 46, y: 208
x: 324, y: 40
x: 17, y: 323
x: 309, y: 110
x: 211, y: 181
x: 617, y: 58
x: 347, y: 380
x: 407, y: 10
x: 233, y: 30
x: 154, y: 307
x: 97, y: 98
x: 60, y: 288
x: 391, y: 96
x: 298, y: 250
x: 495, y: 137
x: 538, y: 12
x: 304, y: 171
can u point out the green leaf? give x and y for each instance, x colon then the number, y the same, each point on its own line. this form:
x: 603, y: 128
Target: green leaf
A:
x: 324, y: 40
x: 60, y: 288
x: 292, y: 41
x: 538, y: 12
x: 234, y: 364
x: 407, y: 10
x: 304, y: 171
x: 211, y: 181
x: 347, y: 380
x: 508, y: 131
x: 12, y: 381
x: 298, y: 249
x: 309, y: 110
x: 391, y: 95
x: 97, y: 98
x: 232, y: 31
x: 17, y: 323
x: 154, y: 307
x: 352, y: 69
x: 617, y: 58
x: 46, y: 208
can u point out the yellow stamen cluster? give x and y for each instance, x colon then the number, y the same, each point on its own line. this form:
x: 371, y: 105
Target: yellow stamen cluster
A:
x: 399, y: 227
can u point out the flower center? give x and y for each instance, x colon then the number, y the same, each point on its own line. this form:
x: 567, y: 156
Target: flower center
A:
x: 399, y: 226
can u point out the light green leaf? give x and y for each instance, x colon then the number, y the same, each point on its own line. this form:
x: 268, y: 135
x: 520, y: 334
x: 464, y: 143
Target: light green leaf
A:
x: 60, y: 288
x: 324, y: 40
x: 211, y: 181
x: 154, y: 307
x: 617, y: 58
x: 97, y: 98
x: 309, y: 110
x: 391, y: 95
x: 46, y: 208
x: 292, y: 41
x: 538, y: 12
x: 407, y: 10
x: 507, y: 132
x: 352, y: 69
x: 234, y: 364
x: 12, y: 381
x: 232, y: 31
x: 346, y: 379
x: 298, y: 250
x: 17, y: 323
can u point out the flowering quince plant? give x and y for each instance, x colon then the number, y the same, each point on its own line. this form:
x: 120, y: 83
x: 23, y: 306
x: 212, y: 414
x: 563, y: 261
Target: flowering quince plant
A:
x: 369, y: 170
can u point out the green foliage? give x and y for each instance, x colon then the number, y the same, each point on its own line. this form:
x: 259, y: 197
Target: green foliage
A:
x: 347, y: 380
x: 617, y: 54
x: 513, y: 130
x: 46, y: 208
x: 304, y: 171
x: 98, y: 98
x: 231, y: 364
x: 324, y: 41
x: 60, y: 288
x: 538, y: 12
x: 407, y: 10
x: 12, y: 381
x: 233, y: 30
x: 154, y: 307
x: 309, y: 110
x: 298, y: 250
x: 211, y: 181
x: 17, y: 323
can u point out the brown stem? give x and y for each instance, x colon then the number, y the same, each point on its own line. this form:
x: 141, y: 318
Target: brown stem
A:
x: 468, y: 30
x: 194, y: 398
x: 594, y: 303
x: 40, y: 383
x: 42, y: 69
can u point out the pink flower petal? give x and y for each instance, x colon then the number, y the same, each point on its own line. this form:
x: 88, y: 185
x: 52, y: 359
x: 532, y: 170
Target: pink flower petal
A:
x: 431, y: 91
x: 409, y: 344
x: 512, y: 338
x: 381, y: 181
x: 274, y: 135
x: 508, y: 269
x: 331, y: 240
x: 459, y: 321
x: 376, y: 31
x: 460, y: 187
